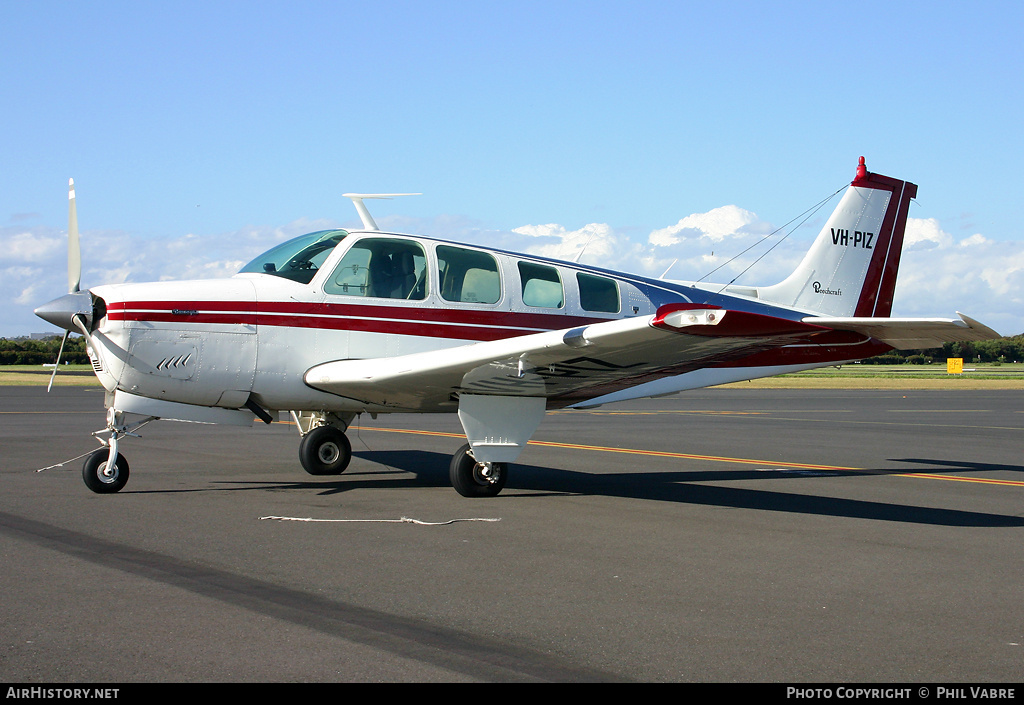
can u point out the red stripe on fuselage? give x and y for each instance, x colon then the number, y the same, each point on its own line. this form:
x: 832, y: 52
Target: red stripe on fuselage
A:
x: 460, y: 324
x: 457, y: 324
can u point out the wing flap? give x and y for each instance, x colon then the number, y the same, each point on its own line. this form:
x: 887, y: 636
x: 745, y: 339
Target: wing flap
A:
x: 911, y: 333
x: 560, y: 363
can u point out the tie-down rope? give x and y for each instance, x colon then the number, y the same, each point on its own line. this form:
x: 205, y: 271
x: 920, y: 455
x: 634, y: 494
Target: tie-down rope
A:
x: 403, y: 520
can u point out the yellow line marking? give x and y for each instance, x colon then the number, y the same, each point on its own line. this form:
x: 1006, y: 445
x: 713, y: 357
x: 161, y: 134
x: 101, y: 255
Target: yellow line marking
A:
x: 713, y: 458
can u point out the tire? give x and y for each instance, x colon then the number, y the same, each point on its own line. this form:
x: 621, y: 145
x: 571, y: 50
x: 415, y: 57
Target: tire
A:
x: 325, y: 451
x: 95, y: 474
x: 467, y: 475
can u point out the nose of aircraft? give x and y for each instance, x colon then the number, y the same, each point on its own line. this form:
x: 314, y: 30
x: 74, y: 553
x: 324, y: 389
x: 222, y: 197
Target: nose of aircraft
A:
x: 61, y: 311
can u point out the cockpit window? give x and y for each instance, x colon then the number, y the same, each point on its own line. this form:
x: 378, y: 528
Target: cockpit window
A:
x: 297, y: 259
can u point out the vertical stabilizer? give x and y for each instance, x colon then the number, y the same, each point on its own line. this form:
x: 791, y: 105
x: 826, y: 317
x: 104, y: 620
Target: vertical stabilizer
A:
x: 851, y: 268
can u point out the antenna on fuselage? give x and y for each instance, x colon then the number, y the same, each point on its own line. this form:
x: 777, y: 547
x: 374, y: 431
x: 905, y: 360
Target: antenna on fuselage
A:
x: 364, y: 214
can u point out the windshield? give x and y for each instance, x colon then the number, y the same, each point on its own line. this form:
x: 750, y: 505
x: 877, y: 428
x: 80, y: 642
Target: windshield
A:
x: 297, y: 259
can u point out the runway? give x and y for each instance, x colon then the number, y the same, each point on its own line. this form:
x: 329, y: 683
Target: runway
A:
x: 724, y: 535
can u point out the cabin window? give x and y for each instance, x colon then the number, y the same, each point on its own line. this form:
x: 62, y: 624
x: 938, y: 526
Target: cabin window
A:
x: 598, y: 294
x: 384, y: 268
x: 542, y: 287
x: 468, y: 276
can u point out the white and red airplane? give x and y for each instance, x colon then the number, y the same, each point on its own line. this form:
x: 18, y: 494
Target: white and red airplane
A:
x: 338, y: 323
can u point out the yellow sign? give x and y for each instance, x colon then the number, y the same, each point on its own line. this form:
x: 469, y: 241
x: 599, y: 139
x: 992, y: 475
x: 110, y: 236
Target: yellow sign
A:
x: 954, y: 365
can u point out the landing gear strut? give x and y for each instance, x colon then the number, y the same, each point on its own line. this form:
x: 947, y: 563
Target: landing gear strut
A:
x: 473, y: 479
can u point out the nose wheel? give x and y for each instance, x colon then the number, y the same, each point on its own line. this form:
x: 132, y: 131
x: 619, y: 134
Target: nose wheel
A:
x: 473, y: 479
x: 100, y: 476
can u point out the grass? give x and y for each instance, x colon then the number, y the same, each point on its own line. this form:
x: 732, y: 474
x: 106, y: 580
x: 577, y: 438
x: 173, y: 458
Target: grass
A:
x: 895, y: 377
x: 37, y: 375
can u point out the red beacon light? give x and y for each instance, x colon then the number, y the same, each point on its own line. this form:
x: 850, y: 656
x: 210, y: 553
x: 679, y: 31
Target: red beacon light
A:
x: 862, y: 171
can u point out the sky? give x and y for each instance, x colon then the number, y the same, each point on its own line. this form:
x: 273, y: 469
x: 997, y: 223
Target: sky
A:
x: 655, y: 135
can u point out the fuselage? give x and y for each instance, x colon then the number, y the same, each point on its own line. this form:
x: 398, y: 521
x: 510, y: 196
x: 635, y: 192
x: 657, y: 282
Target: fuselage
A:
x: 358, y: 295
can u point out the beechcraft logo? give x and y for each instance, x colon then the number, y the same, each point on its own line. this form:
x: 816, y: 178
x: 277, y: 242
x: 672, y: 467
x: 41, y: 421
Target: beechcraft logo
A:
x: 819, y: 289
x: 858, y: 239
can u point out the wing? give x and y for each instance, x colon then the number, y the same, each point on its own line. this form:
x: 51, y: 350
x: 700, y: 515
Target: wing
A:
x: 564, y: 366
x: 911, y: 333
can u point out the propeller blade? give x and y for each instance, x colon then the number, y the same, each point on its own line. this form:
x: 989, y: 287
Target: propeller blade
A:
x: 59, y: 353
x: 74, y: 248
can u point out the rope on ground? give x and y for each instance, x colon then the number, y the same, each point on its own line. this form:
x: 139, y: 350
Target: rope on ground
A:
x: 403, y: 520
x: 60, y: 465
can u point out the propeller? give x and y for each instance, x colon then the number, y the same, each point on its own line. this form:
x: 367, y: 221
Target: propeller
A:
x: 65, y: 311
x: 74, y: 313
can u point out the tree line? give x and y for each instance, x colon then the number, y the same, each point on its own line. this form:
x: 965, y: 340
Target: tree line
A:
x: 23, y: 351
x: 1008, y: 349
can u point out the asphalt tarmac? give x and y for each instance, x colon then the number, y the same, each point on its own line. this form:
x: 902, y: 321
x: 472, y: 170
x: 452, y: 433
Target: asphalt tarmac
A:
x: 723, y: 535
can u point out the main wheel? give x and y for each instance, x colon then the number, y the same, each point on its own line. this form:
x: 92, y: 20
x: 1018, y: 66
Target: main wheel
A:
x: 325, y: 451
x: 101, y: 479
x: 473, y: 479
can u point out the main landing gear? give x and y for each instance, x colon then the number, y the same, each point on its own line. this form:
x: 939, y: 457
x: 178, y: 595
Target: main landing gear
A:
x: 325, y: 451
x: 473, y: 479
x: 324, y: 448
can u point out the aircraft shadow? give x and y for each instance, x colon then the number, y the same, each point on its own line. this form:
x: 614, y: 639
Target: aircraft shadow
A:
x: 961, y: 465
x: 431, y: 469
x: 385, y: 469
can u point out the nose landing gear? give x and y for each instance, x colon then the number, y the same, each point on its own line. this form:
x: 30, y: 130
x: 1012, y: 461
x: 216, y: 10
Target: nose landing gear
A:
x: 102, y: 476
x: 105, y: 471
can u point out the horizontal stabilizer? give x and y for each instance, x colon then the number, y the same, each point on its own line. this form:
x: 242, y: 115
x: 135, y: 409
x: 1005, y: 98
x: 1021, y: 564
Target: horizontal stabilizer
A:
x: 911, y: 333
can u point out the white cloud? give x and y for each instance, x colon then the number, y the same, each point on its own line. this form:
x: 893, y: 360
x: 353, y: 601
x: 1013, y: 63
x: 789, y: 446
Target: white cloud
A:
x: 938, y: 275
x: 30, y: 246
x: 925, y: 233
x: 717, y: 224
x: 594, y: 243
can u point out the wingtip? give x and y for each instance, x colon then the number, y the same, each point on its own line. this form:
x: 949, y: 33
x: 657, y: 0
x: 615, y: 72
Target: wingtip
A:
x: 978, y: 326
